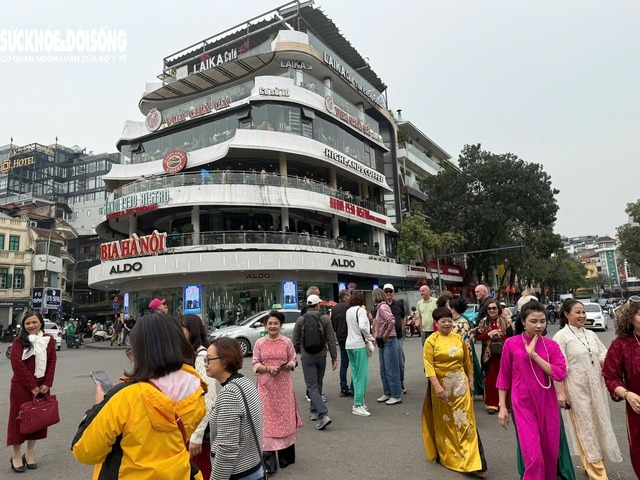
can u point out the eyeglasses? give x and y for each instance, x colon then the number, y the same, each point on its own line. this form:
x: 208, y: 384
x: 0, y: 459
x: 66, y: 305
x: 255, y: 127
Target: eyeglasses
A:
x: 208, y: 359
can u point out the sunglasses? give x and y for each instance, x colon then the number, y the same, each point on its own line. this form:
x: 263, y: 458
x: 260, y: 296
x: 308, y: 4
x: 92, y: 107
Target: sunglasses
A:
x: 492, y: 308
x: 208, y: 359
x: 388, y: 291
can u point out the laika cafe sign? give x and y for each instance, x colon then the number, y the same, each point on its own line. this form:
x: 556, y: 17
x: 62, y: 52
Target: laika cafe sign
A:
x: 134, y: 246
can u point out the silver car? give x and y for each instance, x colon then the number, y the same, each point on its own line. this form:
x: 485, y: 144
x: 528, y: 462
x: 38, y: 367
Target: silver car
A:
x: 249, y: 330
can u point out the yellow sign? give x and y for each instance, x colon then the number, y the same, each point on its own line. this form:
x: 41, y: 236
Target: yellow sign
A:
x: 8, y: 164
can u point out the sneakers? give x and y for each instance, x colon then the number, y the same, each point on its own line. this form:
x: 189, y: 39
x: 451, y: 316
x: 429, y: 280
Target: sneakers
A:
x: 313, y: 416
x: 360, y: 411
x: 393, y: 401
x: 307, y: 397
x: 344, y: 393
x: 404, y: 391
x: 383, y: 398
x: 322, y: 424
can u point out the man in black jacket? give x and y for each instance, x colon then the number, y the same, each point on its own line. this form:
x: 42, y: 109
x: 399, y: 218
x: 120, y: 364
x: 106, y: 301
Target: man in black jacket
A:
x: 339, y: 322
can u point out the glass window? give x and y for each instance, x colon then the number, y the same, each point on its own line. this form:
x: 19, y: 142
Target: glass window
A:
x: 101, y: 211
x: 14, y: 243
x: 18, y: 278
x: 5, y: 278
x: 2, y: 242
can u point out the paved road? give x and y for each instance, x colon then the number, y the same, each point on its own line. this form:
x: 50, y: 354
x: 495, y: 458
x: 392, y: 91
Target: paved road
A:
x: 387, y: 445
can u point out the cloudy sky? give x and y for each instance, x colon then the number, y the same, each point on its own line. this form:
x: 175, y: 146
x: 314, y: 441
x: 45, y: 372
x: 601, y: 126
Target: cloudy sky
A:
x: 556, y: 83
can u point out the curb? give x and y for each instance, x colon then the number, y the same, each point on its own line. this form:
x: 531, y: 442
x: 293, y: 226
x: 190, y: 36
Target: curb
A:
x: 103, y: 346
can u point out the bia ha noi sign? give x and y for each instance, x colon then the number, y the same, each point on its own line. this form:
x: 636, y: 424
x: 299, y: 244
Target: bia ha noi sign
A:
x: 134, y: 246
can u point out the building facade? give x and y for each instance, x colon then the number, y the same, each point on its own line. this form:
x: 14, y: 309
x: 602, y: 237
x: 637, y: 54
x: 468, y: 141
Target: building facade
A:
x: 267, y: 163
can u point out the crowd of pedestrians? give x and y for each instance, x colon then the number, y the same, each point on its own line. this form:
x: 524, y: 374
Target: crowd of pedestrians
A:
x: 184, y: 410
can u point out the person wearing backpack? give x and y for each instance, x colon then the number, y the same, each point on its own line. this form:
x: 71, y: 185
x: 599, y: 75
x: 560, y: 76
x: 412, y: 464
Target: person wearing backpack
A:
x: 313, y: 335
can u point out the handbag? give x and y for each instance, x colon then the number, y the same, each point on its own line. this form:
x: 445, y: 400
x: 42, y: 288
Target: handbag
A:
x: 265, y: 469
x: 38, y: 414
x: 496, y: 347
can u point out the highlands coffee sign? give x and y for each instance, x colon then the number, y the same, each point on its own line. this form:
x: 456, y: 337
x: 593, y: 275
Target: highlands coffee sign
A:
x: 354, y: 165
x: 134, y: 246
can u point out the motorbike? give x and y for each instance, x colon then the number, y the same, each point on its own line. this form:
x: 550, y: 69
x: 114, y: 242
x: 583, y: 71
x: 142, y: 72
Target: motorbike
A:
x: 411, y: 328
x: 100, y: 333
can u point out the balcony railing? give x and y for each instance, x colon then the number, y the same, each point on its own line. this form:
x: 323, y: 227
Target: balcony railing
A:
x: 235, y: 177
x: 269, y: 237
x: 423, y: 157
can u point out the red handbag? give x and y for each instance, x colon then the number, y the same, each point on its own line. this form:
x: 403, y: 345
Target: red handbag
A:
x: 37, y: 414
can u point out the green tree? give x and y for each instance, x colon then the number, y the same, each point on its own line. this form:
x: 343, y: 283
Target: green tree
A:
x: 629, y: 236
x: 417, y: 240
x: 560, y: 273
x: 495, y: 199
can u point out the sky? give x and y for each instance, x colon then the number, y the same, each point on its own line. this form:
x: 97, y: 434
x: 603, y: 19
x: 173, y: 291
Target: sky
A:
x: 556, y: 83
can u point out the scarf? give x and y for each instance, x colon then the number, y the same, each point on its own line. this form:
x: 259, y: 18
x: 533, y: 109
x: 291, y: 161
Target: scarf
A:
x: 38, y: 348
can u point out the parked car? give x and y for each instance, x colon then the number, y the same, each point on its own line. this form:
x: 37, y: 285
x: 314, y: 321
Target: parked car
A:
x: 597, y: 318
x: 252, y: 328
x: 51, y: 328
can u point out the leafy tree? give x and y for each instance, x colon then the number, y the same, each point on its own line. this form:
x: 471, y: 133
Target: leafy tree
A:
x: 629, y: 236
x: 560, y: 273
x: 495, y: 199
x: 417, y: 240
x: 599, y: 281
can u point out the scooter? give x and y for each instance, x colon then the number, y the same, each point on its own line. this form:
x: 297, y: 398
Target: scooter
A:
x: 411, y: 328
x: 99, y: 333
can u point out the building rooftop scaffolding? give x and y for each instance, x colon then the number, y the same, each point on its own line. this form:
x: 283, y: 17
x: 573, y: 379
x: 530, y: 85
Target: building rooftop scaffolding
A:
x: 296, y: 15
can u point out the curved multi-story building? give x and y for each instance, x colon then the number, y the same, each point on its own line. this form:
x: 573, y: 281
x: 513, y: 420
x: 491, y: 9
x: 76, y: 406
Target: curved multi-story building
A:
x: 265, y: 165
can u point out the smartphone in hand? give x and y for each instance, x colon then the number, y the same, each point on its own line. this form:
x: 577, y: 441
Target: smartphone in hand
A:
x: 99, y: 376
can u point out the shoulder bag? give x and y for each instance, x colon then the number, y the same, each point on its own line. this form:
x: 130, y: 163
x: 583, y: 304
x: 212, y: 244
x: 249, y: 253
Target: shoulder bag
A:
x: 255, y: 435
x: 38, y: 414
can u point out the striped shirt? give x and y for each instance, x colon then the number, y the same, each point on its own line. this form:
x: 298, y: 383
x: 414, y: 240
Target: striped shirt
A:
x: 234, y: 453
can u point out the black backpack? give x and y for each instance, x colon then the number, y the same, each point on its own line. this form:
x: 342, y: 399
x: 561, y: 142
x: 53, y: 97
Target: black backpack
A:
x: 312, y: 334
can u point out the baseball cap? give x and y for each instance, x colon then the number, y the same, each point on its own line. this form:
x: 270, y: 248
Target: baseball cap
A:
x: 313, y: 300
x: 155, y: 303
x: 388, y: 286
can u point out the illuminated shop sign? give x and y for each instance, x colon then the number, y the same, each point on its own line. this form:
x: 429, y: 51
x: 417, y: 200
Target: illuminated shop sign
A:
x: 296, y: 64
x: 192, y: 300
x: 354, y: 165
x: 344, y: 72
x: 346, y: 207
x: 134, y: 246
x: 350, y: 119
x: 290, y: 294
x: 274, y: 92
x: 137, y: 200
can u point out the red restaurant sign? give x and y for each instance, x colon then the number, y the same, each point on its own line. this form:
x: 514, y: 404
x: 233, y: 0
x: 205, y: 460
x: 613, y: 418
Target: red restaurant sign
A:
x: 174, y: 161
x: 347, y: 207
x: 134, y: 247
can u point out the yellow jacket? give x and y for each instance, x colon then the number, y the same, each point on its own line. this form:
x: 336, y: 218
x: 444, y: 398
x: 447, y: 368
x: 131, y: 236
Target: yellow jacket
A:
x: 133, y: 433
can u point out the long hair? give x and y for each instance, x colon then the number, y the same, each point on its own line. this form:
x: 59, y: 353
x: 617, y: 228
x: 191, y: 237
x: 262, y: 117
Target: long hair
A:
x: 622, y: 322
x: 378, y: 296
x: 24, y: 335
x: 159, y: 347
x: 197, y: 332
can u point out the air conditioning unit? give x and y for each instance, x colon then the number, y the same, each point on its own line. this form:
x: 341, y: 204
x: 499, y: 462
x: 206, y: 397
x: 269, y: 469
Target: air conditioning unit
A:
x: 33, y: 223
